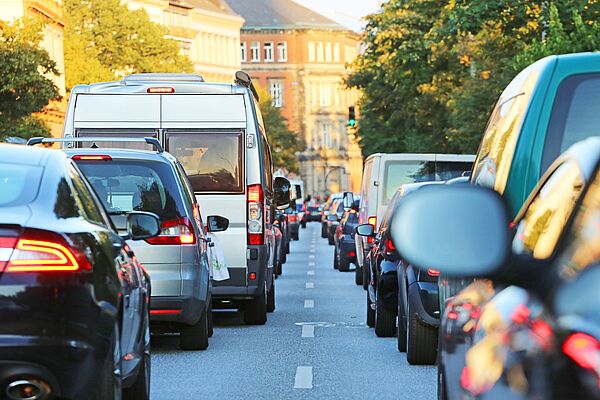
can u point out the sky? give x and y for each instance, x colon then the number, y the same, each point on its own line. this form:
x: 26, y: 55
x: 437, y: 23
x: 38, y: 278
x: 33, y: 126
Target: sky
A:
x: 346, y: 12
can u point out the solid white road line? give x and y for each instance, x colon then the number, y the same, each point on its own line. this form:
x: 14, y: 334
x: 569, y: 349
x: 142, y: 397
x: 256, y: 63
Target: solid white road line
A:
x: 310, y: 285
x: 308, y: 331
x: 310, y: 272
x: 309, y: 303
x: 304, y: 378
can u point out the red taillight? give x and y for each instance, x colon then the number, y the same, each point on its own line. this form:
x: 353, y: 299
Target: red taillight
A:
x: 92, y: 157
x: 160, y: 90
x: 175, y: 232
x: 165, y: 312
x: 255, y: 215
x: 252, y: 276
x: 521, y: 314
x: 584, y: 350
x: 453, y: 315
x: 351, y: 254
x: 293, y: 218
x: 42, y: 251
x: 389, y: 245
x: 433, y: 272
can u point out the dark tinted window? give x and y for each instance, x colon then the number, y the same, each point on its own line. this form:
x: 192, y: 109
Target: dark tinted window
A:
x: 18, y: 184
x: 575, y: 114
x: 212, y: 161
x: 125, y: 186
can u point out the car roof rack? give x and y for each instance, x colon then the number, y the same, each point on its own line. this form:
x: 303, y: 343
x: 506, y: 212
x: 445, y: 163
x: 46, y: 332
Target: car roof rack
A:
x: 242, y: 78
x: 163, y: 77
x: 149, y: 140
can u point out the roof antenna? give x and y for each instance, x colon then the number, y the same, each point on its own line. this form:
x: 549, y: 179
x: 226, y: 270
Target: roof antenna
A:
x: 93, y: 146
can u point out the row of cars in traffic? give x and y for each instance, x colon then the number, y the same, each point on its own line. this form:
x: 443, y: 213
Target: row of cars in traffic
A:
x: 495, y: 275
x: 122, y: 233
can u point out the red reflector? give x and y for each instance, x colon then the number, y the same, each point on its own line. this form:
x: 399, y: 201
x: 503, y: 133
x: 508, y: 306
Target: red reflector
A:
x: 293, y: 218
x: 584, y: 350
x: 433, y: 272
x: 252, y: 276
x: 161, y: 90
x: 164, y: 312
x: 390, y: 245
x: 512, y: 224
x: 95, y: 157
x: 351, y: 254
x: 255, y: 238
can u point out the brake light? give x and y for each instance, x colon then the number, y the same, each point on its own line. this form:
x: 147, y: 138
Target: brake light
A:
x: 293, y: 218
x: 165, y: 312
x: 584, y: 350
x: 92, y: 157
x: 433, y: 272
x: 255, y: 215
x: 175, y: 232
x: 43, y: 251
x: 160, y: 90
x: 389, y: 245
x: 453, y: 315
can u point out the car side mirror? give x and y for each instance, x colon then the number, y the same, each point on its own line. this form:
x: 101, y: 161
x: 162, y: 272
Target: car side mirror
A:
x: 142, y: 225
x: 281, y: 189
x: 216, y: 223
x: 458, y: 230
x: 367, y: 230
x: 348, y: 200
x: 332, y: 218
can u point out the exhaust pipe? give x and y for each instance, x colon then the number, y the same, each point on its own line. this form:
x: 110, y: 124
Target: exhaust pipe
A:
x: 28, y: 389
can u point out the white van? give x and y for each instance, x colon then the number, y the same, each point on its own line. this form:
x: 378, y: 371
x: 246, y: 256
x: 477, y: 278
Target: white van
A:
x: 384, y: 173
x: 217, y: 133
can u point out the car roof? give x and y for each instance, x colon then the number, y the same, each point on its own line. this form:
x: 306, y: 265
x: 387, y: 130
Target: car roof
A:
x: 129, y: 154
x: 26, y: 155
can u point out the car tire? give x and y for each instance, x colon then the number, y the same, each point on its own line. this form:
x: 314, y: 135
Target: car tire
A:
x: 211, y: 327
x: 358, y: 276
x: 330, y: 240
x: 296, y: 236
x: 110, y: 383
x: 343, y: 262
x: 287, y: 247
x: 385, y: 321
x: 366, y: 272
x: 303, y: 225
x: 255, y: 312
x: 370, y: 313
x: 323, y: 231
x: 401, y: 331
x: 271, y: 298
x: 421, y: 340
x: 195, y: 337
x: 336, y: 264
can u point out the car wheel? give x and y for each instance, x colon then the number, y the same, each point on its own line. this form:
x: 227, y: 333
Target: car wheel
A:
x: 271, y: 298
x: 110, y: 384
x: 287, y: 247
x: 344, y: 263
x: 385, y: 321
x: 140, y: 390
x: 336, y: 263
x: 211, y: 329
x: 296, y: 236
x: 421, y: 340
x: 195, y: 337
x: 401, y: 332
x: 370, y: 313
x: 303, y: 225
x: 358, y: 275
x: 366, y: 276
x: 323, y: 231
x: 255, y: 312
x: 330, y: 239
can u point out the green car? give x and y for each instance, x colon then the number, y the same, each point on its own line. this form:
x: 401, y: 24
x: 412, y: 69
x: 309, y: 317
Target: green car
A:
x: 549, y: 106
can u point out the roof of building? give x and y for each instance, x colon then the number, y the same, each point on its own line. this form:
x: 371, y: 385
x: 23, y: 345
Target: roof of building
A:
x: 217, y: 6
x: 280, y: 14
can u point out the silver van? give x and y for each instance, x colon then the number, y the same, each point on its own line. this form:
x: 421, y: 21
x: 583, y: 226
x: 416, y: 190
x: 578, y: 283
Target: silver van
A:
x: 384, y: 173
x: 217, y: 133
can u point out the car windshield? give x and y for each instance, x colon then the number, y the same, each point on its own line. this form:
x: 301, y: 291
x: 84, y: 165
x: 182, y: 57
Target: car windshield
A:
x: 126, y: 186
x: 18, y: 184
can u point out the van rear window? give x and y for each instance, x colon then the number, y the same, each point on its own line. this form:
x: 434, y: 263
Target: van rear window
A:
x: 212, y: 161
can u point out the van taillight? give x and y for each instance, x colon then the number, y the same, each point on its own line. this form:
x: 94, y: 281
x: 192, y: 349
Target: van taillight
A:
x: 175, y: 232
x: 160, y: 90
x: 255, y: 215
x: 41, y: 251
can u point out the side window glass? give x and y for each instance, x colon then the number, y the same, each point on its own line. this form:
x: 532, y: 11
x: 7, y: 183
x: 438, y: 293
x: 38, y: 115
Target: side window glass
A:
x: 268, y: 164
x: 544, y: 220
x: 85, y: 199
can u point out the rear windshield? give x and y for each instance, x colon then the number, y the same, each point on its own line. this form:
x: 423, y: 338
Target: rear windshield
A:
x: 125, y: 186
x: 398, y: 173
x: 212, y: 161
x: 18, y: 184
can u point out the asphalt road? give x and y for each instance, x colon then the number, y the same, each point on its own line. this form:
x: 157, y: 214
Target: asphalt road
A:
x: 315, y: 345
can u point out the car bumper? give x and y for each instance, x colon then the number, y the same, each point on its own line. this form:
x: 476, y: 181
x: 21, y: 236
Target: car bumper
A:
x: 180, y: 309
x: 348, y: 248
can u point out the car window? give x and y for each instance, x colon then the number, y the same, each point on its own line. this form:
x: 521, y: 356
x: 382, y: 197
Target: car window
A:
x: 86, y: 202
x: 212, y: 161
x: 548, y: 213
x: 497, y: 147
x: 267, y: 163
x: 19, y: 184
x: 574, y: 116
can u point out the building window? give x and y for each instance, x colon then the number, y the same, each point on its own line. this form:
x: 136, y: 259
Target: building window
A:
x: 328, y: 52
x: 311, y: 51
x: 177, y: 18
x: 185, y: 48
x: 243, y: 51
x: 325, y: 94
x: 320, y: 52
x: 326, y: 135
x: 336, y: 52
x: 282, y: 51
x: 268, y: 48
x: 255, y: 52
x: 276, y: 90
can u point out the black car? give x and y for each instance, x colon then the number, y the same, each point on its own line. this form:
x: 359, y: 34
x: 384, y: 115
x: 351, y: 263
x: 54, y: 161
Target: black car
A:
x: 533, y: 330
x: 74, y: 302
x: 293, y: 221
x: 333, y: 219
x: 344, y: 252
x: 312, y: 214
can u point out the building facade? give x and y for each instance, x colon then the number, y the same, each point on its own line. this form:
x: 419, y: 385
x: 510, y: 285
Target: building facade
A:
x: 207, y: 31
x: 300, y: 57
x: 51, y: 12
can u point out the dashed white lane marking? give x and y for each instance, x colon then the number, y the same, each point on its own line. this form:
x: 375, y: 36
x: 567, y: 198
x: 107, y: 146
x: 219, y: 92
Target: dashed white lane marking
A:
x: 310, y: 272
x: 308, y: 331
x: 310, y: 285
x: 311, y: 264
x: 304, y: 378
x: 309, y: 303
x: 311, y: 256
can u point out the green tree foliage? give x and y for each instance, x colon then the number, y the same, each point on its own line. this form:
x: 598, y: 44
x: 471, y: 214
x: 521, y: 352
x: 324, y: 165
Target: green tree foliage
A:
x: 284, y: 142
x: 105, y: 39
x: 433, y: 70
x: 25, y: 86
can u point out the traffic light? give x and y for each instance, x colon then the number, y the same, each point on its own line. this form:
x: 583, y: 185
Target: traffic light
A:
x: 351, y: 116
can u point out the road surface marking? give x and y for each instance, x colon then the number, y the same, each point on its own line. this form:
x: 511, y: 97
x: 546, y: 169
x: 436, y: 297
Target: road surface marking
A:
x: 304, y: 378
x: 309, y: 303
x: 310, y: 273
x: 311, y: 264
x: 311, y: 256
x: 310, y: 285
x: 308, y: 331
